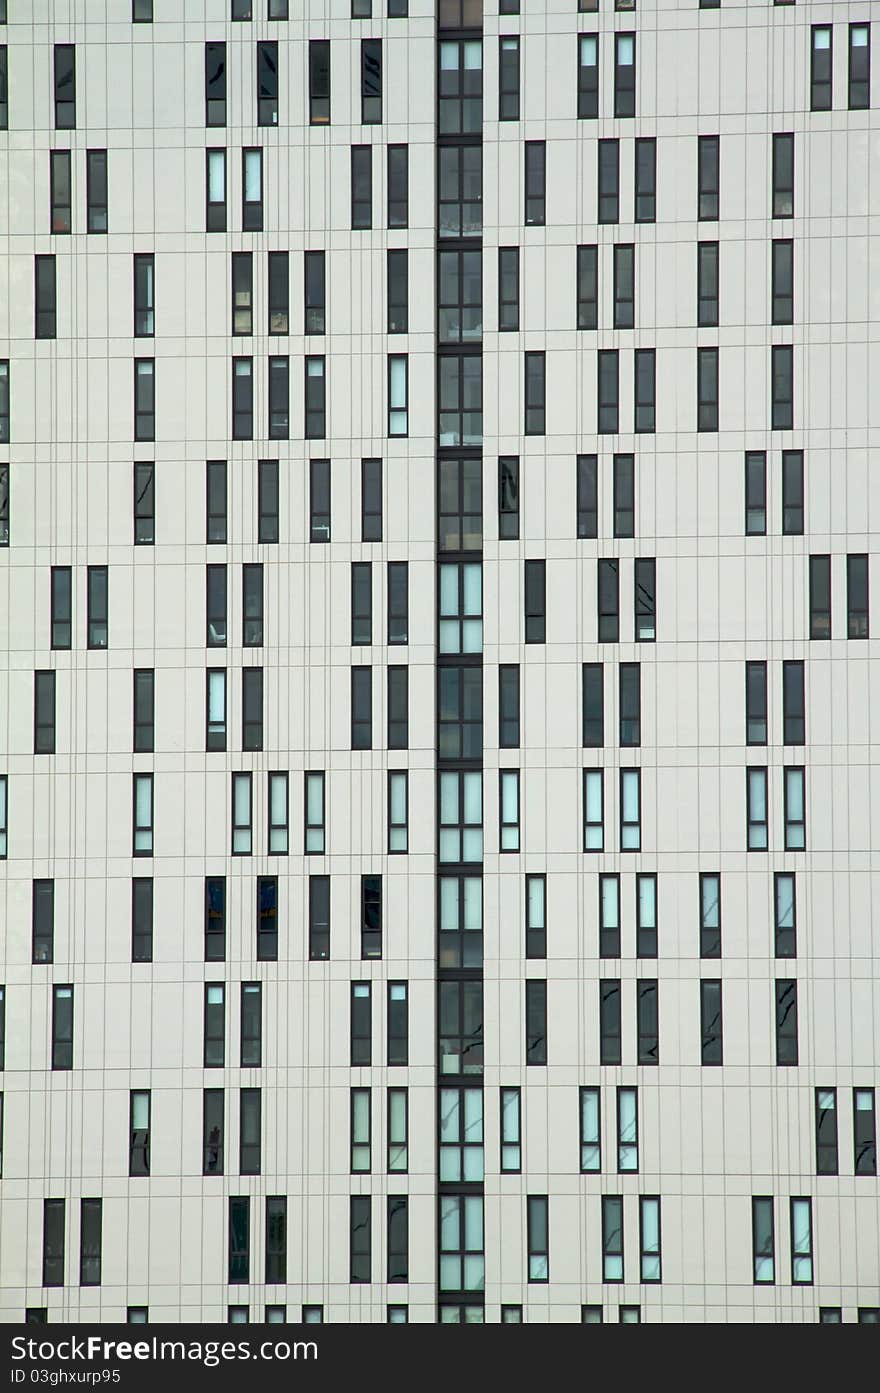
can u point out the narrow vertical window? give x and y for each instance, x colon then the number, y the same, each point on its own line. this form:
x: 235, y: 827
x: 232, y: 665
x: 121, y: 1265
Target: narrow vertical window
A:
x: 361, y: 1130
x: 96, y: 190
x: 763, y: 1240
x: 756, y: 809
x: 215, y: 918
x: 242, y: 292
x: 315, y: 398
x: 397, y: 628
x: 793, y: 704
x: 707, y: 389
x: 45, y: 298
x: 609, y: 1021
x: 782, y: 387
x: 361, y: 603
x: 397, y: 278
x: 627, y: 1130
x: 4, y: 831
x: 508, y: 78
x: 242, y: 398
x: 59, y: 187
x: 783, y: 176
x: 139, y: 1109
x: 859, y: 67
x: 536, y: 1021
x: 397, y: 1159
x: 644, y: 385
x: 508, y: 801
x: 397, y: 1043
x: 319, y: 500
x: 142, y: 811
x: 646, y: 179
x: 44, y: 713
x: 398, y: 186
x: 96, y: 606
x: 397, y: 1245
x: 756, y: 703
x: 43, y: 921
x: 785, y: 914
x: 856, y: 596
x: 646, y: 916
x: 629, y: 705
x: 508, y: 498
x: 802, y: 1242
x: 782, y: 282
x: 792, y: 492
x: 213, y: 1128
x: 361, y: 186
x: 4, y: 87
x: 242, y: 806
x: 371, y: 916
x: 276, y: 1241
x: 319, y: 917
x: 279, y: 398
x: 279, y: 814
x: 65, y: 87
x: 371, y: 500
x: 591, y: 1135
x: 609, y: 181
x: 587, y: 496
x: 215, y: 189
x: 594, y: 828
x: 319, y: 82
x: 707, y: 285
x: 53, y: 1243
x: 315, y: 292
x: 267, y: 501
x: 361, y: 708
x: 239, y: 1239
x: 144, y: 399
x: 508, y: 288
x: 535, y: 601
x: 144, y: 683
x: 398, y: 708
x: 607, y: 391
x: 398, y: 394
x: 612, y: 1238
x: 624, y: 75
x: 279, y: 292
x: 647, y: 1021
x: 755, y: 493
x: 268, y: 918
x: 215, y: 1026
x: 710, y: 915
x: 61, y: 602
x: 5, y: 437
x: 820, y: 597
x: 360, y: 1243
x: 535, y: 182
x: 538, y: 1237
x: 609, y: 916
x: 588, y: 76
x: 587, y: 287
x: 267, y: 84
x: 252, y: 190
x: 215, y: 504
x: 215, y: 85
x: 708, y: 163
x: 371, y: 81
x: 826, y: 1131
x: 711, y: 1037
x: 90, y: 1242
x: 624, y: 287
x: 786, y: 1022
x: 820, y: 67
x: 645, y: 599
x: 649, y: 1238
x: 62, y: 1027
x: 252, y: 606
x: 794, y: 799
x: 144, y: 504
x: 361, y: 1024
x: 593, y: 703
x: 536, y: 916
x: 864, y: 1131
x: 314, y: 814
x: 250, y: 1131
x: 511, y: 1131
x: 508, y: 706
x: 142, y: 920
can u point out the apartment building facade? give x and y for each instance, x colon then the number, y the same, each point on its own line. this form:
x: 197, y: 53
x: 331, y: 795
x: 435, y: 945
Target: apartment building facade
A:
x: 439, y: 848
